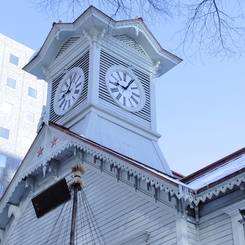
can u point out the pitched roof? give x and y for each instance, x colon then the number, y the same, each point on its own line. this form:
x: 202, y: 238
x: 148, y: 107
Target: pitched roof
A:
x: 226, y: 174
x: 217, y: 172
x: 92, y: 17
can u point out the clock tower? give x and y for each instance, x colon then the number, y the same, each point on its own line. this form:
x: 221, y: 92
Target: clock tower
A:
x: 101, y: 75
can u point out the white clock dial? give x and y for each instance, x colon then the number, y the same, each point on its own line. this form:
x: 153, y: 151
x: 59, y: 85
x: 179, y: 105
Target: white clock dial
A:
x: 68, y: 91
x: 125, y: 88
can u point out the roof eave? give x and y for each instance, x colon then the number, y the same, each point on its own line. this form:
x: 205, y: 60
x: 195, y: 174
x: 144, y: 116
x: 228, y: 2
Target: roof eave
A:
x: 60, y: 32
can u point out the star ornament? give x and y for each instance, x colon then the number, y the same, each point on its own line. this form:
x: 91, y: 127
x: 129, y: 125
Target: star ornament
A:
x: 40, y: 151
x: 54, y: 141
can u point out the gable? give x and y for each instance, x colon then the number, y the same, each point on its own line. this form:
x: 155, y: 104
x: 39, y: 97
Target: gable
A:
x: 127, y: 199
x: 106, y: 212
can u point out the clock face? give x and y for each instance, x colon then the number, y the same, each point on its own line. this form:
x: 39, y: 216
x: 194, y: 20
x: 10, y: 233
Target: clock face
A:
x: 68, y: 91
x: 125, y: 88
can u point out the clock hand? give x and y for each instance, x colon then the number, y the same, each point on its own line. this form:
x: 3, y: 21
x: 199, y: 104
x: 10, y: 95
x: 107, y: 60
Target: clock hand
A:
x: 68, y: 91
x: 131, y: 81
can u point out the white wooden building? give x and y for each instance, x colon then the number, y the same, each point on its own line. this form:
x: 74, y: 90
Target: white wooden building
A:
x: 100, y: 113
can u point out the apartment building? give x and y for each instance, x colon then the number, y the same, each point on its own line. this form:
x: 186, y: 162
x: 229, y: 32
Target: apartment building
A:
x: 22, y: 96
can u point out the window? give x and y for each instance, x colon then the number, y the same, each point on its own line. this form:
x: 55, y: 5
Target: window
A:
x: 3, y: 160
x: 30, y: 116
x: 7, y: 107
x: 13, y: 59
x: 11, y: 82
x: 4, y: 133
x: 59, y: 192
x: 32, y: 92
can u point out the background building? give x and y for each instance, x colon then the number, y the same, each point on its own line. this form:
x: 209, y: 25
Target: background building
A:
x: 21, y: 100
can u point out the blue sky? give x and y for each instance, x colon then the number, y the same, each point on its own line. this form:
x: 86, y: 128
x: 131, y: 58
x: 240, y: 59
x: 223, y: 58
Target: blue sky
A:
x: 200, y: 103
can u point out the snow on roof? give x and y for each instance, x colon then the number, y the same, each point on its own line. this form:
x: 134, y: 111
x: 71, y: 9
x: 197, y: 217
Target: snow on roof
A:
x: 218, y: 173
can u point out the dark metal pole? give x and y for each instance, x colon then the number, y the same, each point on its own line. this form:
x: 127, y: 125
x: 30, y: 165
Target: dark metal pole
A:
x: 74, y: 215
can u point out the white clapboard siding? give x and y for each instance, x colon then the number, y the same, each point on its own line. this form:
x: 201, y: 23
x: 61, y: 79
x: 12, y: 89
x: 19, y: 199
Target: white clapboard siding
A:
x: 192, y: 234
x: 118, y: 212
x: 216, y: 231
x: 31, y: 230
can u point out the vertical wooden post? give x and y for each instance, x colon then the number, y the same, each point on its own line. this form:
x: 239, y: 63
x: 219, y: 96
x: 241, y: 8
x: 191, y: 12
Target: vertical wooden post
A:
x: 77, y: 185
x: 74, y: 215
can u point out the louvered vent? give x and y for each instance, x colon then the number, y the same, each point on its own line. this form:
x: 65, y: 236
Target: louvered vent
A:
x: 106, y: 61
x: 66, y: 45
x: 82, y: 62
x: 130, y: 42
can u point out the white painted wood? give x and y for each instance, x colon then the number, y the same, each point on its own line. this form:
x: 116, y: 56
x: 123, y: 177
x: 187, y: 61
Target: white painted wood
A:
x: 118, y: 212
x: 181, y: 231
x: 94, y: 64
x: 217, y: 230
x: 238, y: 228
x: 137, y: 239
x: 193, y: 232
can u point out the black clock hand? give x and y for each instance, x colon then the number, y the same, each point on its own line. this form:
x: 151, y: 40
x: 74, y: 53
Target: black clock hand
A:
x: 68, y: 90
x: 131, y: 81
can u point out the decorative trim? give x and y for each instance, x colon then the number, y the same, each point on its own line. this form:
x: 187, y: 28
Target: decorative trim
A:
x: 141, y: 172
x: 156, y: 68
x: 46, y: 74
x: 43, y: 119
x: 40, y: 151
x: 94, y: 36
x: 138, y: 29
x: 13, y: 210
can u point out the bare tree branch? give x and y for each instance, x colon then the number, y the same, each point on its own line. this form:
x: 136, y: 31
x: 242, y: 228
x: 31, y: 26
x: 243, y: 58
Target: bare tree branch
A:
x: 215, y: 27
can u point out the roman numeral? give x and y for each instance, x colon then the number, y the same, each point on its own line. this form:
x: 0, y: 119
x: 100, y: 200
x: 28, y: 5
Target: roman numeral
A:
x: 114, y: 90
x: 65, y: 105
x: 69, y: 103
x: 124, y: 77
x: 137, y: 95
x: 113, y: 83
x: 78, y: 84
x: 62, y: 102
x: 66, y: 84
x: 119, y: 96
x: 134, y: 87
x: 78, y: 80
x: 130, y: 102
x: 76, y: 91
x: 135, y: 101
x: 112, y: 75
x: 73, y: 77
x: 119, y: 75
x: 124, y: 100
